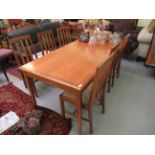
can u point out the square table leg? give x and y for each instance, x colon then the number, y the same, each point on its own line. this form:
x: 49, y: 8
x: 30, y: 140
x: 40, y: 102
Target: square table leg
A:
x: 79, y: 113
x: 29, y: 82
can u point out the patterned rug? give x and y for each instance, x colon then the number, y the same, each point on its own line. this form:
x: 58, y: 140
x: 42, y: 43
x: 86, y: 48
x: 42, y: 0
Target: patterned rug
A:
x: 13, y: 99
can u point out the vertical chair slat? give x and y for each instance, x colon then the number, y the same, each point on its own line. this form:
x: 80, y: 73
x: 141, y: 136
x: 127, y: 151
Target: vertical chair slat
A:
x: 46, y: 41
x: 64, y: 36
x: 23, y: 51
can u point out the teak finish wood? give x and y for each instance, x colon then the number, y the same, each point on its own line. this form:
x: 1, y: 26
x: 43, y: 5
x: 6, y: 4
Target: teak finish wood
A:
x: 97, y: 91
x: 117, y: 61
x: 150, y: 59
x: 46, y: 41
x: 23, y: 51
x: 114, y: 51
x: 70, y: 68
x: 121, y: 50
x: 64, y: 36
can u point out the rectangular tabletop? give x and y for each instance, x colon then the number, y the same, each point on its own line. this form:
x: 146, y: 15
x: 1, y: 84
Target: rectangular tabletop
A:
x: 69, y: 67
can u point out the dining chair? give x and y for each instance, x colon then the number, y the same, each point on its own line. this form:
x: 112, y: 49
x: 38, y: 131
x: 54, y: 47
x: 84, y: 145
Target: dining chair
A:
x: 24, y: 52
x: 93, y: 92
x: 64, y: 36
x: 117, y: 63
x: 114, y: 51
x: 46, y: 41
x: 5, y: 54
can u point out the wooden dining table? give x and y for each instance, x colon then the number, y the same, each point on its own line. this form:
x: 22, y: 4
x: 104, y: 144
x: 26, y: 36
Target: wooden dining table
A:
x: 71, y: 68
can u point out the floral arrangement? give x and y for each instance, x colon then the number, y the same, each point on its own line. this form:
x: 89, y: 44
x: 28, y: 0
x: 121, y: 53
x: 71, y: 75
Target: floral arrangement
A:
x: 96, y: 29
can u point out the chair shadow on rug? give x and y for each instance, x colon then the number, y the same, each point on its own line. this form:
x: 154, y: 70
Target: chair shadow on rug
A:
x: 13, y: 99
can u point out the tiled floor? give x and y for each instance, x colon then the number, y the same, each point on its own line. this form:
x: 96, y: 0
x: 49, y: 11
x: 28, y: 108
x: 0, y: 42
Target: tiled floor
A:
x: 129, y: 107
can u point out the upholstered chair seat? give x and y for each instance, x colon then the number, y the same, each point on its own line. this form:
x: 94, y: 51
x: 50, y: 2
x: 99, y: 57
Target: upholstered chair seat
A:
x: 85, y: 95
x: 4, y: 54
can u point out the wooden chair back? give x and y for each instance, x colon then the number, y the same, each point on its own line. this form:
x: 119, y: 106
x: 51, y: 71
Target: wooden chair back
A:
x: 123, y: 44
x: 23, y: 49
x: 115, y: 51
x: 121, y: 48
x: 100, y: 80
x: 64, y: 36
x: 46, y: 41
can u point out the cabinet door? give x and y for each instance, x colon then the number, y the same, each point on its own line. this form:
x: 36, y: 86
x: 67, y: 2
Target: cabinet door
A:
x: 150, y: 60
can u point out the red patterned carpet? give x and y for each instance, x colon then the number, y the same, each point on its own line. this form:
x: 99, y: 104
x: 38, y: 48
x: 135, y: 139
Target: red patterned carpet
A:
x: 13, y: 99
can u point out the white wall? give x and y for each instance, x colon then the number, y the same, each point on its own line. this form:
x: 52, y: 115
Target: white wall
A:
x: 143, y: 22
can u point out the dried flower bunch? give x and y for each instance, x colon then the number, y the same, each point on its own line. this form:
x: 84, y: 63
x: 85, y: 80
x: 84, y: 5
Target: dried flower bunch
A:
x: 31, y: 123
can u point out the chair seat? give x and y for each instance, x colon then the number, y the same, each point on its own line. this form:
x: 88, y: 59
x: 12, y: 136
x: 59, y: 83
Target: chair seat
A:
x: 5, y: 53
x: 85, y: 94
x: 39, y: 54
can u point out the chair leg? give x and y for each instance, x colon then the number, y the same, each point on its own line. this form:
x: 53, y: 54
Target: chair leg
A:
x: 24, y: 81
x: 90, y: 119
x: 6, y: 75
x: 79, y: 113
x: 34, y: 88
x: 62, y: 106
x: 109, y: 84
x: 103, y: 103
x: 118, y: 70
x: 113, y: 77
x: 4, y: 71
x: 32, y: 85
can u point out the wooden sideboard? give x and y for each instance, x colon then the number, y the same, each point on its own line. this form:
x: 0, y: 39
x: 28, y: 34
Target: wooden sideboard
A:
x: 150, y: 59
x: 132, y: 23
